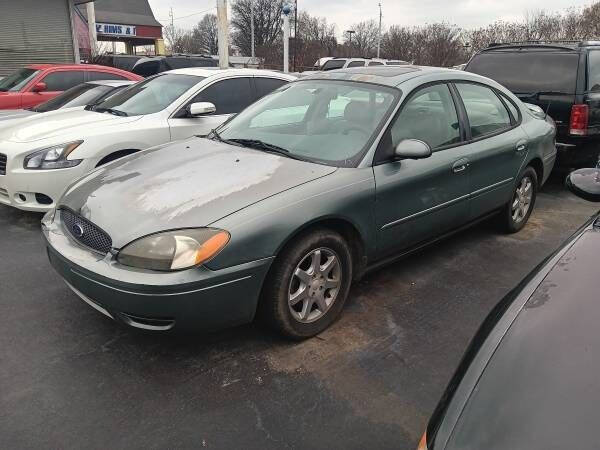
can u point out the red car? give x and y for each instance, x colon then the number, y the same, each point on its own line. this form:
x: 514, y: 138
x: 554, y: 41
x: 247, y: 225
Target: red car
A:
x: 38, y: 83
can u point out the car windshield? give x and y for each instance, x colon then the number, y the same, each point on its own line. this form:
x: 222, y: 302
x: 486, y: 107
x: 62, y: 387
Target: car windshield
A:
x: 81, y: 95
x: 17, y: 80
x: 149, y: 96
x: 330, y: 122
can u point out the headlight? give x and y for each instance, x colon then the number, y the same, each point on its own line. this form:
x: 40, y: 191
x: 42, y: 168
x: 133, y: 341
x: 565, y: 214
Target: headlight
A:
x: 52, y: 157
x: 174, y: 250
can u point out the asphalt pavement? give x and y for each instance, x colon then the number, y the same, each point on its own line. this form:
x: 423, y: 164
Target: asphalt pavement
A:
x: 71, y: 378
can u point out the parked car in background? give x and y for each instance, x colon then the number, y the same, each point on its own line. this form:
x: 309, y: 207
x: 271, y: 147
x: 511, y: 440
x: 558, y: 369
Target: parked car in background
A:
x: 43, y: 154
x: 149, y: 66
x: 301, y: 193
x: 529, y: 378
x: 80, y: 95
x: 344, y: 63
x: 563, y: 78
x: 38, y: 83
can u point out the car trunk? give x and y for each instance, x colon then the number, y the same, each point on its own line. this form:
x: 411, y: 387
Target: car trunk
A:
x: 543, y: 77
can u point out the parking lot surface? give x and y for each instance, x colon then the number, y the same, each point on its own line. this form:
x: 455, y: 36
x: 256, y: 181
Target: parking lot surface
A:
x: 71, y: 378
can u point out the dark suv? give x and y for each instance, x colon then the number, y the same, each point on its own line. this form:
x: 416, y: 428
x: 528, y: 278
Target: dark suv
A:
x: 563, y: 78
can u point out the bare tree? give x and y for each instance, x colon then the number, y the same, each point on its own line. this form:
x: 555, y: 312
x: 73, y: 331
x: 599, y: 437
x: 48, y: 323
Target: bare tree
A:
x: 206, y: 35
x: 178, y: 40
x: 267, y: 25
x: 364, y: 40
x: 316, y: 39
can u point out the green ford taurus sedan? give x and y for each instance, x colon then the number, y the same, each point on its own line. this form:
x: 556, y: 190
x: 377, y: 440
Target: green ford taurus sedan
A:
x: 277, y: 211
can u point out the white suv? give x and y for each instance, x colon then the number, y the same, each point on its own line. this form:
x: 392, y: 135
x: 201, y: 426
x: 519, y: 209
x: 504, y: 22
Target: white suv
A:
x: 344, y: 63
x: 41, y: 155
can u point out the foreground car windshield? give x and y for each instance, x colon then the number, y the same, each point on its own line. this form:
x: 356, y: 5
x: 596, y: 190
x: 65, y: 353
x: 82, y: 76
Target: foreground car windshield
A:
x: 323, y: 121
x: 149, y: 96
x: 17, y: 80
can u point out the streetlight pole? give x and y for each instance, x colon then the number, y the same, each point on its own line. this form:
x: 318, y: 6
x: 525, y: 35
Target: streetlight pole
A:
x: 379, y: 36
x: 350, y: 33
x: 252, y: 28
x: 295, y: 33
x: 286, y: 38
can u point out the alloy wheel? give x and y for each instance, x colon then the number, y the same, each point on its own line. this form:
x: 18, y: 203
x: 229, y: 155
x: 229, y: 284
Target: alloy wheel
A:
x: 522, y: 200
x: 315, y: 284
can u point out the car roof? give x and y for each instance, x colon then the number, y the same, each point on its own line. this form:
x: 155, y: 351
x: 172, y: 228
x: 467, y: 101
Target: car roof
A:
x: 386, y: 75
x: 541, y: 45
x: 216, y: 72
x: 72, y: 66
x: 111, y: 83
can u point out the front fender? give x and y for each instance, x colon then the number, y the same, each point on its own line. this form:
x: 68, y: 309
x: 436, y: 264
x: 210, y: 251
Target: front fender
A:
x: 262, y: 229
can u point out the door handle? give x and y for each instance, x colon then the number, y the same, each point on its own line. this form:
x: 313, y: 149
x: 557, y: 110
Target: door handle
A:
x: 460, y: 166
x: 521, y: 147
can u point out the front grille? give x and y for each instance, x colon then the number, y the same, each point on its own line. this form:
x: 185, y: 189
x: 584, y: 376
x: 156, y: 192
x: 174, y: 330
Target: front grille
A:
x: 85, y: 232
x: 2, y: 164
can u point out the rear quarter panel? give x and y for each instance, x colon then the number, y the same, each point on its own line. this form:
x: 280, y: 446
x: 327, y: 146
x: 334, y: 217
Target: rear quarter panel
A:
x: 542, y: 141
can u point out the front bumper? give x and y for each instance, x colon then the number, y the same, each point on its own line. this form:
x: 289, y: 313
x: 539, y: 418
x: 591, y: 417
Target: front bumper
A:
x: 198, y: 299
x: 36, y: 190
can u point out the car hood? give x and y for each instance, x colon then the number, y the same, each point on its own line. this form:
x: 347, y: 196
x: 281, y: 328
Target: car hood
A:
x: 188, y: 184
x: 10, y: 114
x: 72, y: 123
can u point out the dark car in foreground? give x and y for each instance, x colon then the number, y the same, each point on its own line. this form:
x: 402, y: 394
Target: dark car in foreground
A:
x: 287, y: 203
x: 80, y: 95
x: 529, y: 379
x: 563, y: 78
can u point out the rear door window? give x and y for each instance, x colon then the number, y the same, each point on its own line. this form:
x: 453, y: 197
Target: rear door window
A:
x: 265, y: 86
x: 486, y: 113
x: 334, y: 64
x: 63, y: 80
x: 96, y: 76
x: 356, y: 64
x: 526, y: 72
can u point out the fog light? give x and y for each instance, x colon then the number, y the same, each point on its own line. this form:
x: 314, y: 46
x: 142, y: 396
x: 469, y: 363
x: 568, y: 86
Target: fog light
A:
x: 21, y: 197
x: 43, y: 199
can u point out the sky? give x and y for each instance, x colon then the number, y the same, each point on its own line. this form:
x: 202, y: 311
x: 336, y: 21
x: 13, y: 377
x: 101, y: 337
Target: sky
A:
x: 464, y: 13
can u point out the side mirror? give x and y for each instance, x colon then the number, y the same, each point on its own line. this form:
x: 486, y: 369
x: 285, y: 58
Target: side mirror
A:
x: 412, y: 149
x: 585, y: 183
x: 201, y: 109
x: 40, y: 87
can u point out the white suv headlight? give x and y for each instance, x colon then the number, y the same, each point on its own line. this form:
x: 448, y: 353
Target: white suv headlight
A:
x: 52, y: 157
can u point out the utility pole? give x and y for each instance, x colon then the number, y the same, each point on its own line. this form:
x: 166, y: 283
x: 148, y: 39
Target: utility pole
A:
x: 172, y: 19
x: 91, y: 16
x: 379, y: 37
x: 223, y: 28
x: 295, y: 33
x: 252, y: 28
x: 286, y: 38
x: 350, y: 33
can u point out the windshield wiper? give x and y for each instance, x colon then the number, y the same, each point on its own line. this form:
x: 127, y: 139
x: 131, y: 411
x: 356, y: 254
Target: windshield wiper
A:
x: 261, y: 145
x: 116, y: 112
x: 215, y: 134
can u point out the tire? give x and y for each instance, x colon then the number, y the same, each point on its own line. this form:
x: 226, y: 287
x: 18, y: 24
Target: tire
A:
x: 517, y: 211
x: 296, y: 312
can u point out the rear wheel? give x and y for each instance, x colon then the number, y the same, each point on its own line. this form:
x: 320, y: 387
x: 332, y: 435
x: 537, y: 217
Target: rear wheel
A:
x: 308, y: 285
x: 517, y: 211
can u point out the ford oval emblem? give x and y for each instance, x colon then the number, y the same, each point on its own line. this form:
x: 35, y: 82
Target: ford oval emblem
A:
x: 78, y: 230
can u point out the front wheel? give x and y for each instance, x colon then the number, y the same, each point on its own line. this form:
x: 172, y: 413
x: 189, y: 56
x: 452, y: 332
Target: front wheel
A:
x: 308, y: 285
x: 517, y: 211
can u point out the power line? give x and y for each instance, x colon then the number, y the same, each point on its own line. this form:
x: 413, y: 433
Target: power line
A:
x: 189, y: 15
